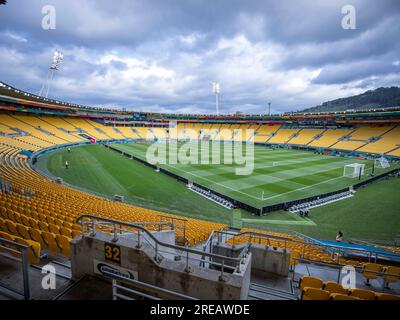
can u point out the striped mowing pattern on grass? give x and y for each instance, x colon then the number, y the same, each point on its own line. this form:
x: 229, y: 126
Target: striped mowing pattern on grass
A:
x: 279, y: 175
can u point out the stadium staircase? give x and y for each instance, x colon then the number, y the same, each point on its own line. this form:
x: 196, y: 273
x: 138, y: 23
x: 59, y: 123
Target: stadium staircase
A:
x: 120, y: 132
x: 341, y: 139
x: 97, y: 129
x: 294, y: 135
x: 316, y: 137
x: 273, y: 134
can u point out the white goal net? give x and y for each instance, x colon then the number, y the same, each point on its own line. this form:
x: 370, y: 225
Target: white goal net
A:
x: 353, y: 170
x: 382, y: 162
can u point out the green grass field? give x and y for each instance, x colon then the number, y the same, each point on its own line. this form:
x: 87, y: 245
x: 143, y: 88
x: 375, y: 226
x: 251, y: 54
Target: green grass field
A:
x: 296, y: 174
x: 279, y: 175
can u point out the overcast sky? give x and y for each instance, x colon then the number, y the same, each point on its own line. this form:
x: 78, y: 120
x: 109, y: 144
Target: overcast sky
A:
x: 163, y: 55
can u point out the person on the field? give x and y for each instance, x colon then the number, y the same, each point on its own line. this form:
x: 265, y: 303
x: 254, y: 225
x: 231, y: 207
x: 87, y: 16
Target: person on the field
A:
x: 66, y: 164
x: 339, y: 237
x: 69, y: 149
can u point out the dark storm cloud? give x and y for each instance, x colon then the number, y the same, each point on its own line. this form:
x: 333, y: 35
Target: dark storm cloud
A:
x: 163, y: 54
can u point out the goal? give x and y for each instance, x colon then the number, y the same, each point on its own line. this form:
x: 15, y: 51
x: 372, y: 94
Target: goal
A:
x: 382, y: 162
x: 353, y: 170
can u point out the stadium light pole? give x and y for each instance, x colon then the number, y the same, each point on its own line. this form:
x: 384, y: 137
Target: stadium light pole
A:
x: 216, y: 91
x: 269, y: 108
x: 58, y: 57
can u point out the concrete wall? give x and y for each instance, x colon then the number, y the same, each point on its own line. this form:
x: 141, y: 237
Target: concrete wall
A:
x: 168, y: 273
x: 264, y: 259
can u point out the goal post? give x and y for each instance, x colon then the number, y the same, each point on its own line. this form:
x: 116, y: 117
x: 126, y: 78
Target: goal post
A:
x: 353, y: 170
x: 381, y: 163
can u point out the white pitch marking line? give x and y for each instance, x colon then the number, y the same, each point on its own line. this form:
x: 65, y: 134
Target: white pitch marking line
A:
x: 315, y: 184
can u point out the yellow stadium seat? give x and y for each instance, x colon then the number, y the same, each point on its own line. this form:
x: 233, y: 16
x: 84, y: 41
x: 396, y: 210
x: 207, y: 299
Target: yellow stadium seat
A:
x: 63, y: 243
x: 314, y: 294
x: 386, y: 296
x: 66, y: 232
x: 9, y: 237
x: 338, y: 296
x: 51, y: 241
x: 23, y: 231
x: 333, y: 287
x: 54, y: 229
x: 370, y: 271
x: 12, y: 227
x: 36, y: 235
x: 362, y: 294
x: 34, y: 252
x: 391, y: 274
x: 43, y: 226
x: 312, y: 282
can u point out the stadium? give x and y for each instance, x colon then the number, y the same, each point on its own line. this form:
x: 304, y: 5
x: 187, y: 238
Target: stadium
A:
x: 296, y: 167
x: 136, y: 205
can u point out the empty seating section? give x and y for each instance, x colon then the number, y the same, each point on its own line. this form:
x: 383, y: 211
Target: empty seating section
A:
x: 142, y: 132
x: 389, y: 141
x: 31, y: 134
x: 107, y: 130
x: 7, y: 130
x: 360, y: 137
x: 34, y: 251
x: 127, y: 132
x: 329, y: 137
x: 305, y: 136
x: 225, y: 132
x: 239, y: 133
x: 264, y: 132
x: 312, y: 288
x: 158, y: 133
x: 282, y: 135
x: 64, y: 126
x: 49, y: 216
x: 48, y: 123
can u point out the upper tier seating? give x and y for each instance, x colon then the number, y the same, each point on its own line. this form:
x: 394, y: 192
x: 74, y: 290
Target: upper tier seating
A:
x: 264, y: 132
x: 283, y: 135
x: 305, y: 136
x: 388, y: 142
x: 329, y: 137
x: 360, y: 137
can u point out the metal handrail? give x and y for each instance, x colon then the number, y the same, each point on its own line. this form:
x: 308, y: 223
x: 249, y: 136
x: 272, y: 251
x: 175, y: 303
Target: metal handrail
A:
x: 329, y: 247
x: 187, y: 250
x: 160, y: 224
x: 142, y: 286
x: 340, y: 266
x: 25, y: 263
x: 19, y: 245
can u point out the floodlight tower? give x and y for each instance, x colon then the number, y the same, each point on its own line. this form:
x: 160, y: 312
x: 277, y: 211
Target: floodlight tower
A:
x: 215, y: 88
x: 269, y: 108
x: 58, y: 57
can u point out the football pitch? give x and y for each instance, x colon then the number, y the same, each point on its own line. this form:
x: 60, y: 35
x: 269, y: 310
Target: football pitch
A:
x: 279, y: 175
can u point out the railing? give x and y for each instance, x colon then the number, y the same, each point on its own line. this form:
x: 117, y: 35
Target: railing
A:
x: 141, y: 289
x: 336, y: 250
x: 339, y: 268
x: 141, y: 234
x: 21, y: 250
x: 176, y: 223
x: 220, y: 234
